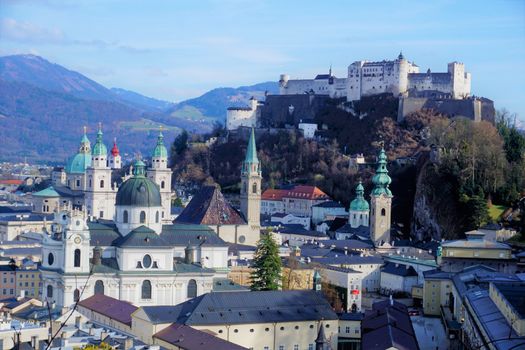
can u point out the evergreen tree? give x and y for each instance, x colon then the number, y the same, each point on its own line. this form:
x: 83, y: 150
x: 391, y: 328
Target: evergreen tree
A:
x: 266, y: 265
x: 179, y: 145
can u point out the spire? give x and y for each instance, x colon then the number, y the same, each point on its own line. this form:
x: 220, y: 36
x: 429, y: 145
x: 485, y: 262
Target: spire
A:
x: 321, y: 343
x: 381, y: 179
x: 401, y: 57
x: 85, y: 145
x: 100, y: 149
x: 115, y: 151
x: 251, y: 151
x: 160, y: 150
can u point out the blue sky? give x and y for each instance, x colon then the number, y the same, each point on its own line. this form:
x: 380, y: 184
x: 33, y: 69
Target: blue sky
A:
x: 175, y: 50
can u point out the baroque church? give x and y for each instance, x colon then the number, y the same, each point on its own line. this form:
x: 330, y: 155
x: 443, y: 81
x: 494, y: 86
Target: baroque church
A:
x: 130, y: 250
x: 371, y: 222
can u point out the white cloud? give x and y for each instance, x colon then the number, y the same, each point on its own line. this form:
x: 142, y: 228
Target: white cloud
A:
x: 14, y: 30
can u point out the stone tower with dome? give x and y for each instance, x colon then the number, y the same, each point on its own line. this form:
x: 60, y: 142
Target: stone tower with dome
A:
x: 381, y: 203
x: 160, y: 174
x: 99, y: 196
x: 359, y: 209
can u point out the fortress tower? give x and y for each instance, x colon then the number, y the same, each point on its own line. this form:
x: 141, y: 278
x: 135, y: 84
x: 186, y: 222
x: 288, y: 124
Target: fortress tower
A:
x: 251, y: 186
x: 381, y: 202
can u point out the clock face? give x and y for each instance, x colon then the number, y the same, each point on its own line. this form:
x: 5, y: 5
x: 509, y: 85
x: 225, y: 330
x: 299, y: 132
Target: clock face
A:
x: 77, y: 240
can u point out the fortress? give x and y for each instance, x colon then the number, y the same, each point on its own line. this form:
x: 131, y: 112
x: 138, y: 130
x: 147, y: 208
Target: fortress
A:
x: 399, y: 77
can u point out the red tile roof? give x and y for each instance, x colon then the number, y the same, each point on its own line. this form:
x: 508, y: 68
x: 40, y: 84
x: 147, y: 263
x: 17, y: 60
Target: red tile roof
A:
x: 113, y: 308
x: 300, y: 191
x: 11, y: 182
x: 188, y: 338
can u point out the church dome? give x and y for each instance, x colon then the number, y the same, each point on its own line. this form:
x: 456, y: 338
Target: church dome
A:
x: 160, y: 150
x: 138, y: 190
x: 78, y: 163
x: 100, y: 148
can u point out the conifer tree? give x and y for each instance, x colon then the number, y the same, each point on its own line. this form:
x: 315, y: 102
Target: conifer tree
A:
x: 266, y: 265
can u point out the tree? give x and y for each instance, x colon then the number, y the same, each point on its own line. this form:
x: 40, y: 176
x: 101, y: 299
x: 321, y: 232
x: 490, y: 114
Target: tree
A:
x: 266, y: 265
x: 179, y: 145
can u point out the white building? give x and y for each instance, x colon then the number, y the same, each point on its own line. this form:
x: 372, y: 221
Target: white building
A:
x: 398, y: 278
x: 327, y: 211
x: 322, y: 84
x: 308, y: 129
x: 348, y: 279
x: 242, y: 116
x: 135, y: 258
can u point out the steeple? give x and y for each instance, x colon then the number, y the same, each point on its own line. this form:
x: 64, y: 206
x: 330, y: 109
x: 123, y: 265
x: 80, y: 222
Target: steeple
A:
x: 321, y: 343
x: 85, y: 145
x: 138, y: 168
x: 160, y: 150
x: 381, y: 179
x: 100, y: 149
x: 400, y: 57
x: 359, y: 208
x: 114, y: 160
x: 251, y: 151
x: 115, y: 151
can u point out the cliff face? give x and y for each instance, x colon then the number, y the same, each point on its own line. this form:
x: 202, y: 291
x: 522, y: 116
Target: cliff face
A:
x: 436, y: 208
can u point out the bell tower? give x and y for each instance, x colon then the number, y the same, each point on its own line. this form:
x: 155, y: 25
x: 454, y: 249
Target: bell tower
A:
x: 251, y: 186
x: 160, y: 173
x: 381, y: 201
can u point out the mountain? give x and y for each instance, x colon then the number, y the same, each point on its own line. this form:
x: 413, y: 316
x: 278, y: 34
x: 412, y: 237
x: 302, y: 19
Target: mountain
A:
x: 141, y: 101
x: 213, y: 104
x: 43, y: 107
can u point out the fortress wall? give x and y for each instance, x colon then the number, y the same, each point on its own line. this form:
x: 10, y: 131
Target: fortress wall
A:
x: 474, y: 109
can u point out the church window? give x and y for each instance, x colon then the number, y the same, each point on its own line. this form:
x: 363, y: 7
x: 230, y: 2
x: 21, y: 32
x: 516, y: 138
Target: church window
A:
x: 142, y: 217
x: 162, y: 184
x: 146, y: 289
x: 157, y: 217
x: 101, y: 214
x: 89, y: 182
x: 125, y: 217
x: 78, y: 183
x: 49, y: 291
x: 77, y: 258
x: 361, y: 216
x: 244, y: 187
x: 192, y: 289
x: 76, y: 295
x: 146, y: 261
x: 383, y: 212
x: 50, y: 259
x: 101, y: 183
x: 254, y: 187
x: 99, y: 287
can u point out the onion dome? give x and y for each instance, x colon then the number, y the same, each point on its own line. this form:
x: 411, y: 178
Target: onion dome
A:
x: 138, y: 190
x: 160, y: 150
x: 381, y: 179
x: 100, y: 149
x: 359, y: 203
x: 85, y: 145
x: 82, y: 160
x: 114, y: 151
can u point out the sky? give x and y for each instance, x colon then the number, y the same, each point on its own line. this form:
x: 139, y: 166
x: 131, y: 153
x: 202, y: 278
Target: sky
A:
x: 174, y: 50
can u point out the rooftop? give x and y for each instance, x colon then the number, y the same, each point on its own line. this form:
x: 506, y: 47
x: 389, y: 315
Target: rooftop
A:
x: 515, y: 295
x: 399, y: 270
x: 297, y: 191
x: 113, y: 308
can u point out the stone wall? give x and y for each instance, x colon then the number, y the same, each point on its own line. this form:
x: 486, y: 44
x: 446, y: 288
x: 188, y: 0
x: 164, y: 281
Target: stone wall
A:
x: 281, y: 110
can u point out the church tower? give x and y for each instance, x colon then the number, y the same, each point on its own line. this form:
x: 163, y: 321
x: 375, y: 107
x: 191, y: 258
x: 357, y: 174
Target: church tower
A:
x: 160, y: 174
x: 99, y: 195
x: 115, y: 161
x: 359, y: 209
x: 381, y: 201
x: 251, y: 185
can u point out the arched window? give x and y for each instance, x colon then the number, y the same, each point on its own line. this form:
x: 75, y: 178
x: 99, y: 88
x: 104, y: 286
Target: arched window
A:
x: 192, y: 289
x: 157, y: 217
x: 146, y: 289
x: 76, y: 295
x: 244, y: 187
x: 383, y: 212
x: 50, y: 259
x: 49, y: 291
x: 99, y: 287
x: 125, y: 217
x: 77, y: 258
x: 142, y: 217
x: 162, y: 184
x: 254, y: 187
x: 101, y: 183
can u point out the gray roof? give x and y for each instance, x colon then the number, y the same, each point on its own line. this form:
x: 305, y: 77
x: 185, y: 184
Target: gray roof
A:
x: 102, y: 234
x: 329, y: 204
x: 342, y: 244
x: 297, y: 229
x: 226, y: 285
x: 245, y: 307
x: 26, y: 217
x: 399, y: 270
x: 362, y: 231
x: 184, y: 234
x: 142, y: 237
x: 349, y: 260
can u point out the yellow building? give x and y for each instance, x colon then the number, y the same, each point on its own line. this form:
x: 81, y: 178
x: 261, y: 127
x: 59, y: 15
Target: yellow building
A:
x: 436, y: 291
x: 453, y: 256
x: 28, y: 282
x: 241, y: 275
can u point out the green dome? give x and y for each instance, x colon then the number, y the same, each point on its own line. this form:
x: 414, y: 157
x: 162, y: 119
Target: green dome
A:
x: 359, y: 203
x: 381, y: 179
x: 160, y: 150
x: 100, y: 148
x: 78, y: 163
x: 139, y: 191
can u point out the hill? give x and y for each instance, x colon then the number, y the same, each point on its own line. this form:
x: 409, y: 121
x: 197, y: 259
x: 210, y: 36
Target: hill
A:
x: 48, y: 104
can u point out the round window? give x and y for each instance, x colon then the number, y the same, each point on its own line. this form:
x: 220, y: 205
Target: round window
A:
x: 50, y: 259
x: 146, y: 261
x: 242, y: 239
